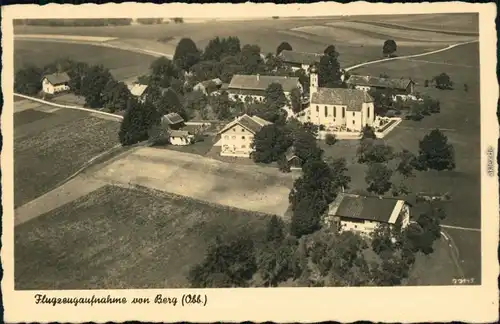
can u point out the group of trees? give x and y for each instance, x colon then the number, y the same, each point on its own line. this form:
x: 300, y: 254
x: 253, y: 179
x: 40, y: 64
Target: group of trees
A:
x: 93, y: 82
x: 434, y: 153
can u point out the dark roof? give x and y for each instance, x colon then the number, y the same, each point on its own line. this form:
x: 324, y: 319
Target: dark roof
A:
x: 173, y: 118
x: 351, y: 98
x: 300, y: 57
x: 363, y: 207
x: 261, y: 82
x: 58, y: 78
x: 366, y: 80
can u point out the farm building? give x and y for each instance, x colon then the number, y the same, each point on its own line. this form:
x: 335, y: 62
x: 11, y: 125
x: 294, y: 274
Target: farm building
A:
x: 173, y: 121
x: 254, y: 86
x: 365, y: 83
x: 237, y: 136
x: 181, y: 137
x: 338, y: 109
x: 299, y: 60
x: 55, y: 82
x: 350, y: 212
x: 138, y: 91
x: 208, y: 86
x: 293, y: 161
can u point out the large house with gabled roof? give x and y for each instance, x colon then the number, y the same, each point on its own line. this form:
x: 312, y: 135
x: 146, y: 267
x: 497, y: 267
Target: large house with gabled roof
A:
x: 362, y: 214
x: 237, y: 136
x: 254, y: 86
x: 299, y: 60
x: 366, y: 83
x: 338, y: 109
x: 55, y: 82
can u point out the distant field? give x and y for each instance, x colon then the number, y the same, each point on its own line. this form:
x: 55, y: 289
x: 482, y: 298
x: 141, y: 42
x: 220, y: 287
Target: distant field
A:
x: 49, y: 147
x: 123, y: 64
x: 356, y: 42
x: 123, y: 238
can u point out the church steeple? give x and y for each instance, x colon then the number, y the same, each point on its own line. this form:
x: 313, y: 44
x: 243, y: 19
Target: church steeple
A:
x: 313, y: 81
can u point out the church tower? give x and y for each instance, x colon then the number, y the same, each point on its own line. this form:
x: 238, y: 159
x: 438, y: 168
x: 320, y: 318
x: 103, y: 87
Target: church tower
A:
x: 313, y: 81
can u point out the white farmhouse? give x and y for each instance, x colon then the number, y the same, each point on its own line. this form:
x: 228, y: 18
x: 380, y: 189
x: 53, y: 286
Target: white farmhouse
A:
x: 237, y: 136
x: 337, y: 109
x: 254, y: 86
x: 362, y: 214
x: 55, y: 82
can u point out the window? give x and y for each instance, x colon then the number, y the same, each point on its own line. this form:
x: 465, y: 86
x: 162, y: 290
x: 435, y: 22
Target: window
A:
x: 326, y: 111
x: 353, y: 122
x: 226, y: 137
x: 334, y: 111
x: 234, y: 129
x: 353, y: 114
x: 317, y: 108
x: 343, y: 112
x: 242, y: 129
x: 243, y: 146
x: 242, y: 137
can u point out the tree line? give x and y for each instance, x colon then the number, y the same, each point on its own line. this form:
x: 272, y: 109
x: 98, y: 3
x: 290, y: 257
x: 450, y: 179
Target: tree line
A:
x: 81, y: 22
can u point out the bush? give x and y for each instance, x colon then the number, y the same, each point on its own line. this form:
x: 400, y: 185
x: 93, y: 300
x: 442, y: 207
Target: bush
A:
x: 330, y: 139
x: 177, y: 20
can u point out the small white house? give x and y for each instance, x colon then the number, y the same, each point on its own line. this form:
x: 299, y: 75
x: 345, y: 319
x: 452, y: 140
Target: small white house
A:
x: 362, y: 214
x: 55, y: 82
x: 181, y: 137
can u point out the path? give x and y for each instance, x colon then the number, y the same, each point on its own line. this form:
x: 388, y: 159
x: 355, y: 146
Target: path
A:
x: 408, y: 56
x: 462, y: 228
x: 70, y: 191
x: 454, y: 253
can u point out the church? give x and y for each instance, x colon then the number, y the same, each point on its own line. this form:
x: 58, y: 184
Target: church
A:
x: 337, y: 109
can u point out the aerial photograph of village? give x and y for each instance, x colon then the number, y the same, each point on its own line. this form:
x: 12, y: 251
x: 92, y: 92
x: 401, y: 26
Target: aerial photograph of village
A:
x: 266, y: 152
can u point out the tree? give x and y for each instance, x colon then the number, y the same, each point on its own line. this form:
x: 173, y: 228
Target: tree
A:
x: 382, y: 239
x: 329, y: 69
x: 427, y: 229
x: 338, y: 170
x: 306, y: 147
x: 195, y: 102
x: 214, y: 50
x: 296, y: 100
x: 28, y: 80
x: 368, y: 132
x: 169, y: 102
x: 373, y: 152
x: 443, y: 81
x: 284, y: 46
x: 229, y: 262
x: 277, y: 263
x: 137, y: 122
x: 406, y: 163
x: 275, y: 97
x: 163, y: 71
x: 250, y: 59
x: 330, y: 139
x: 378, y: 178
x: 115, y: 96
x: 275, y: 230
x: 436, y: 152
x: 306, y: 217
x: 93, y: 84
x: 270, y: 143
x: 426, y: 83
x: 221, y: 106
x: 186, y: 54
x: 389, y: 47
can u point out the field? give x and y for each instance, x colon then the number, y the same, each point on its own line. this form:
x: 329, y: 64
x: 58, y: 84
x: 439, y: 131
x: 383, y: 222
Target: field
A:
x: 50, y: 145
x: 356, y: 42
x: 122, y: 238
x: 123, y: 64
x: 242, y: 186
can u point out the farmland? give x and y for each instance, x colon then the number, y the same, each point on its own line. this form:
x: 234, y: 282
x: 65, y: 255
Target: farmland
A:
x: 139, y: 239
x: 356, y: 42
x: 123, y: 64
x: 243, y: 186
x: 50, y: 145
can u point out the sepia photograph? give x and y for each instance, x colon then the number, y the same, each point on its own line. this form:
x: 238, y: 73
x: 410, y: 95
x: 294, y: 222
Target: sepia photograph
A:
x: 269, y: 151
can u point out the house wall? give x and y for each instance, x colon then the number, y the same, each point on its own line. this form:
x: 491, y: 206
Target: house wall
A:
x: 47, y: 87
x: 364, y: 88
x: 181, y: 140
x: 236, y: 141
x: 361, y: 226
